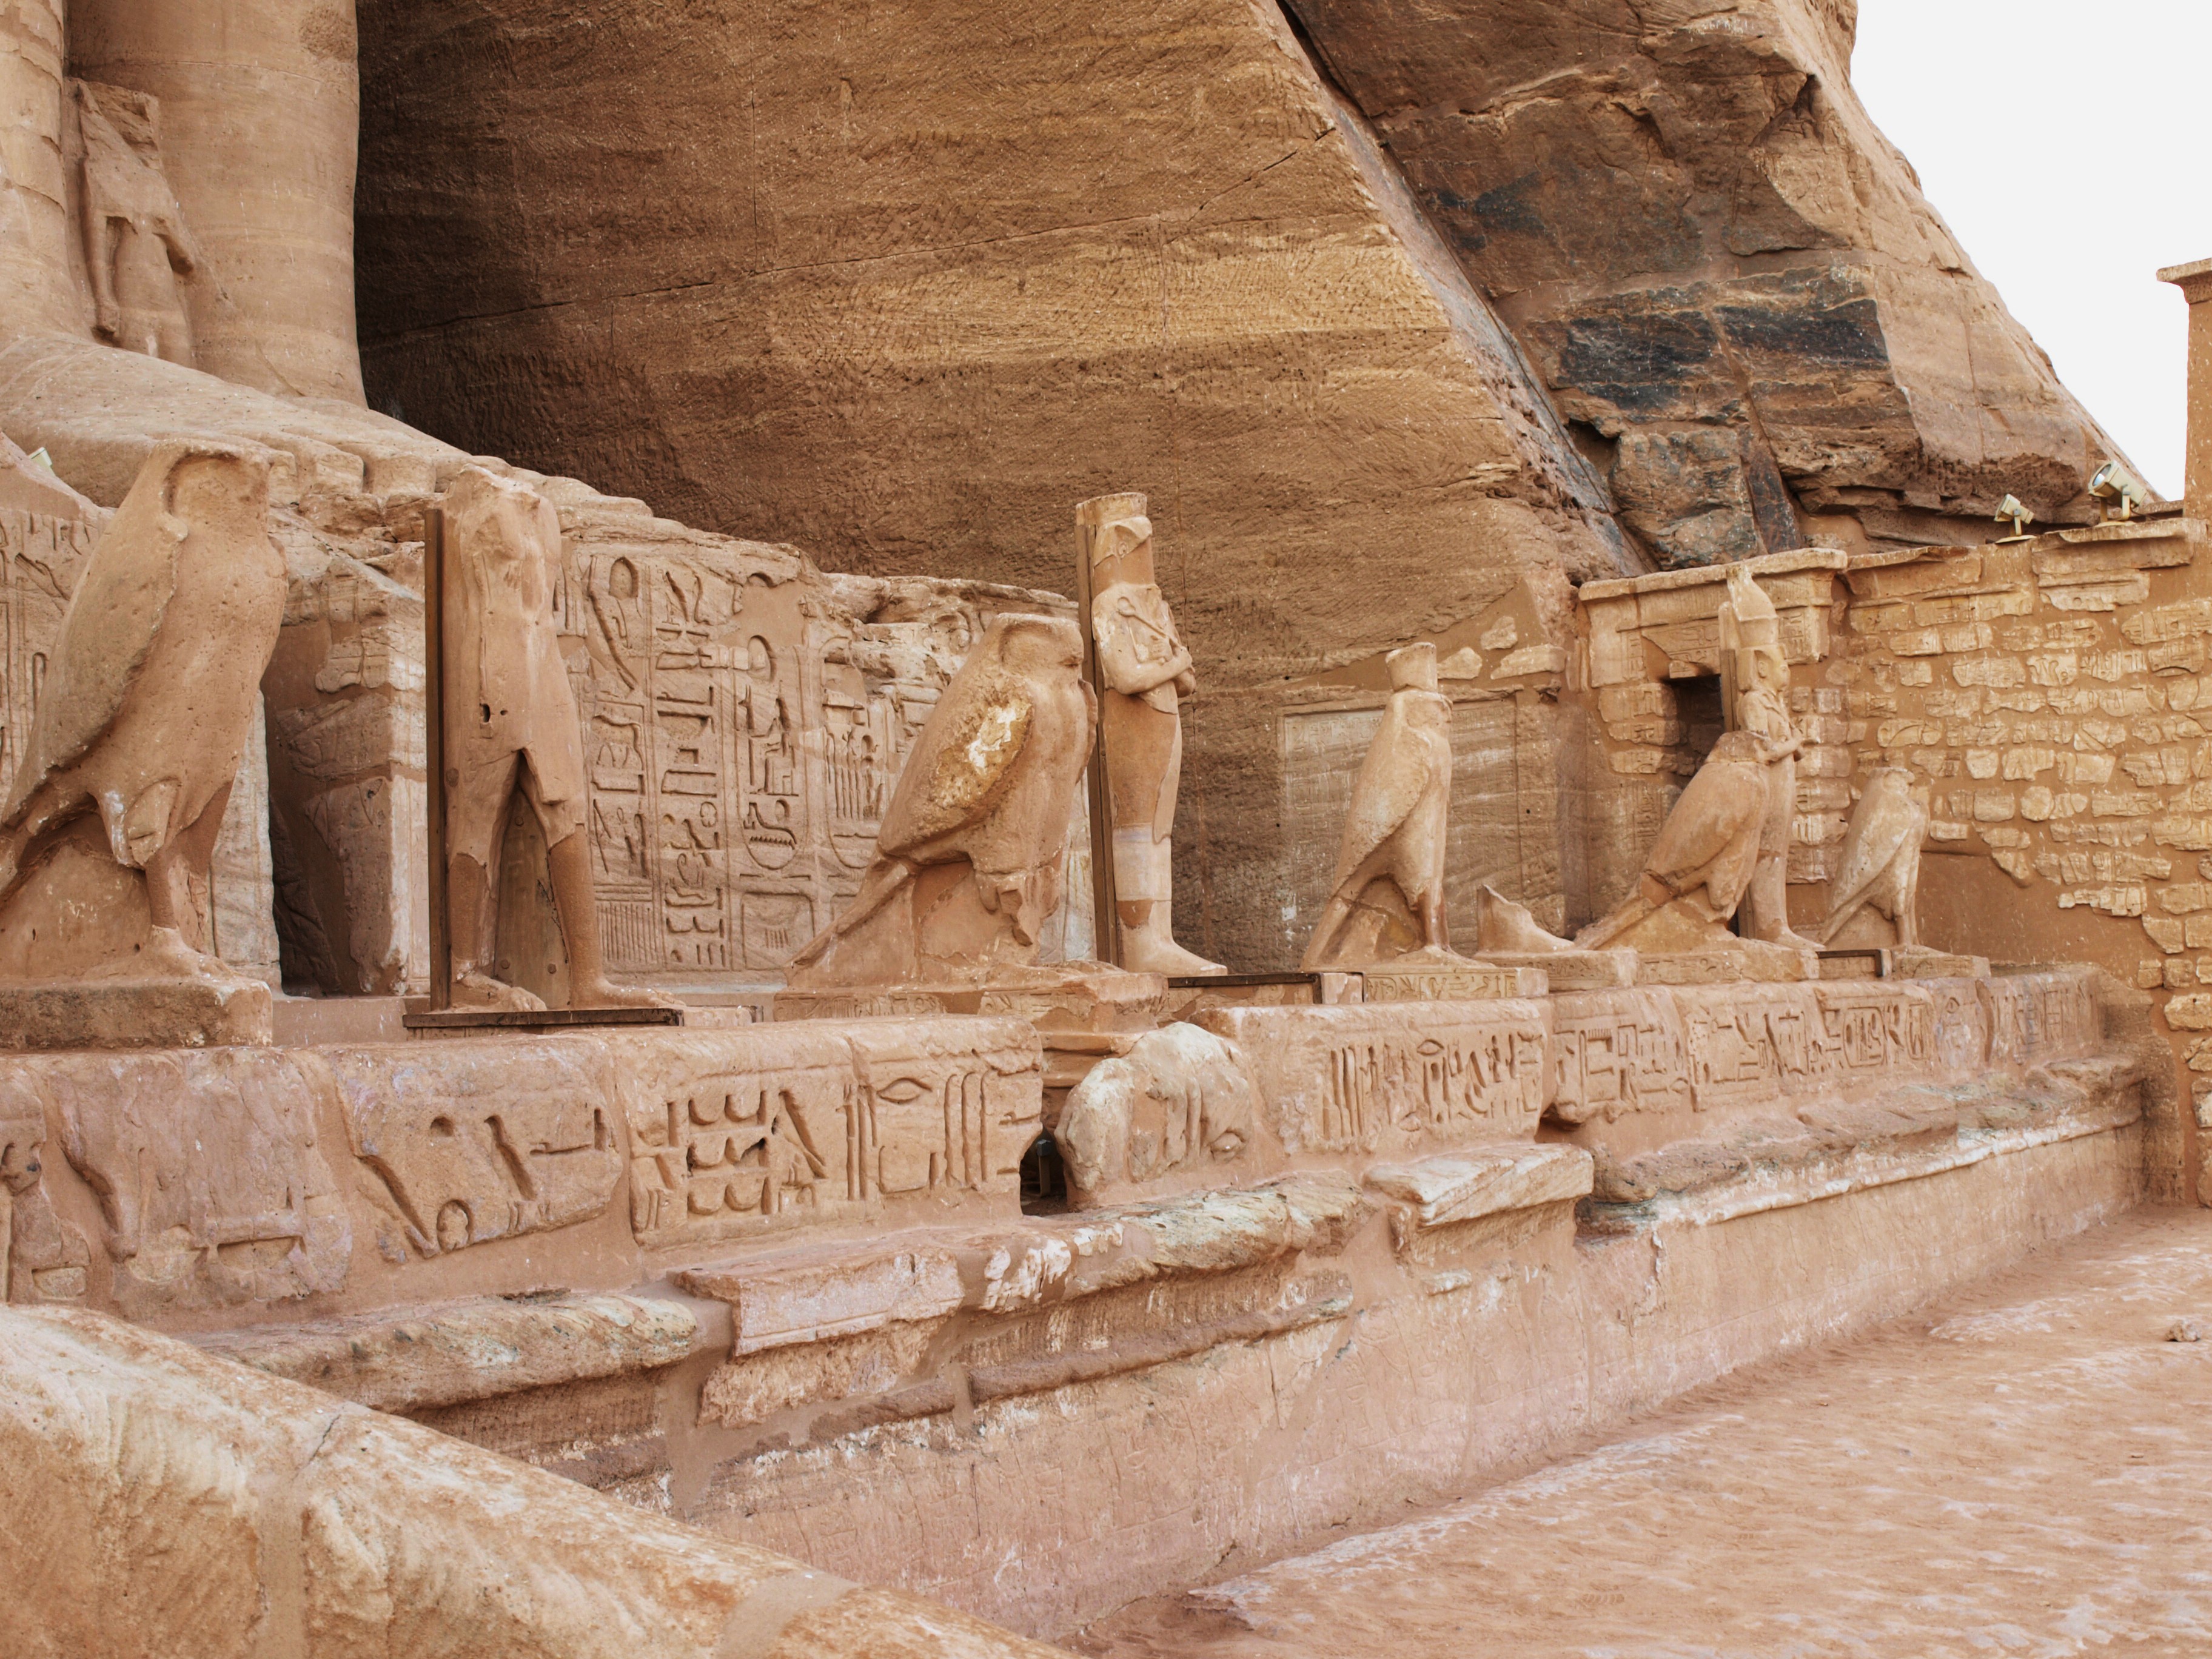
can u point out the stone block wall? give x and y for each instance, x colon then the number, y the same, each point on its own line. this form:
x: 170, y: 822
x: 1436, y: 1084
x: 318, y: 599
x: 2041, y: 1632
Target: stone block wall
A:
x: 2049, y: 698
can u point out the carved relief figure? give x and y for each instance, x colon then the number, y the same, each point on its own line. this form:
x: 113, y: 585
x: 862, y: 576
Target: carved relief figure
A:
x: 137, y: 248
x: 42, y: 1257
x: 1147, y: 672
x: 1880, y: 868
x: 149, y: 698
x: 512, y: 729
x: 229, y: 1201
x: 968, y: 863
x: 1749, y: 628
x: 1388, y: 897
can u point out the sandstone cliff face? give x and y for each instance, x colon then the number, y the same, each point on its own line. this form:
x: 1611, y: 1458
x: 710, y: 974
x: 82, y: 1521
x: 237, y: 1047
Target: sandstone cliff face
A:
x: 902, y: 283
x: 1719, y: 263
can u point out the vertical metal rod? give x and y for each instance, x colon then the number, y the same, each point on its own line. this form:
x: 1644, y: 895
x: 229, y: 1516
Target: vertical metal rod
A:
x: 1105, y: 913
x: 433, y: 750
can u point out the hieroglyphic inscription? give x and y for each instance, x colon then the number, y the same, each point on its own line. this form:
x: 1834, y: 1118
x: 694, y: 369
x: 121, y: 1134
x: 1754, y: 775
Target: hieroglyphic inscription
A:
x: 463, y: 1142
x: 2039, y: 1017
x: 1746, y: 1044
x: 228, y: 1201
x: 742, y: 737
x: 1617, y: 1053
x: 1398, y: 1076
x: 740, y: 1132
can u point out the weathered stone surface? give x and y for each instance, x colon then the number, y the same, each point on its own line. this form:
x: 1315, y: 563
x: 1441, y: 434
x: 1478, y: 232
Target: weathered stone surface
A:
x: 163, y: 1499
x: 213, y: 1185
x: 134, y: 1013
x: 42, y: 1257
x: 1718, y: 261
x: 417, y: 1359
x: 1464, y: 1186
x: 1180, y: 1100
x: 1399, y: 1077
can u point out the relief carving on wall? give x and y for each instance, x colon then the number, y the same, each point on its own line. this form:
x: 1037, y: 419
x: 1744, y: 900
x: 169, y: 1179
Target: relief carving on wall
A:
x: 465, y: 1142
x: 738, y: 1133
x: 230, y: 1202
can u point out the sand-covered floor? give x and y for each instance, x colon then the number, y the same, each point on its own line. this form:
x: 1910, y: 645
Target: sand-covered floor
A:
x: 2024, y: 1470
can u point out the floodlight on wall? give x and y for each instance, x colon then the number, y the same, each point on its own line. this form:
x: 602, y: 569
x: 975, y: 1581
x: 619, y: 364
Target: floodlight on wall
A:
x: 2021, y: 516
x: 2114, y: 483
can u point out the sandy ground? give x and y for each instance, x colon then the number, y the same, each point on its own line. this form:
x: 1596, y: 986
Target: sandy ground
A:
x: 2024, y: 1470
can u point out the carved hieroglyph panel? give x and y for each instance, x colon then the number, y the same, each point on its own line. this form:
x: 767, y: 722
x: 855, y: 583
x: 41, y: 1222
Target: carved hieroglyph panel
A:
x: 210, y: 1177
x: 1748, y: 1044
x: 1395, y: 1076
x: 746, y: 1132
x: 741, y: 739
x: 1617, y: 1053
x: 2039, y: 1017
x: 460, y: 1142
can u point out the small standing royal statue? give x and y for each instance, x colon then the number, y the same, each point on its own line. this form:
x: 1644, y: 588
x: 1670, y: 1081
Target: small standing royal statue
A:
x: 1146, y: 672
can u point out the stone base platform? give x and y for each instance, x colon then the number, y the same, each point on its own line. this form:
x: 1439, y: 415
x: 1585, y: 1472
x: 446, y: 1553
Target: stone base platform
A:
x: 134, y: 1013
x: 788, y: 1281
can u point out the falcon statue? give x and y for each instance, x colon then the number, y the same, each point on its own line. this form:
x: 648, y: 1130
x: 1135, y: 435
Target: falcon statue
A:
x: 1709, y: 842
x: 1881, y: 860
x: 1395, y: 831
x: 151, y: 696
x: 988, y: 783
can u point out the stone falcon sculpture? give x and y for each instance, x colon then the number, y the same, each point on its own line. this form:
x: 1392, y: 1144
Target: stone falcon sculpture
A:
x: 967, y: 862
x: 1702, y: 864
x: 151, y: 692
x: 1880, y: 862
x: 1394, y: 833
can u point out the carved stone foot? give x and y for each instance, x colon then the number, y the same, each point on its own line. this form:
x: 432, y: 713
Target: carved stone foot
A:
x: 1150, y: 953
x: 166, y: 956
x: 606, y: 993
x: 472, y: 989
x: 1794, y: 941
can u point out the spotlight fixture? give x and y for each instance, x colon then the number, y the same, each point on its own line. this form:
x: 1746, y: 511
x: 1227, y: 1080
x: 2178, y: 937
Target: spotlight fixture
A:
x: 2021, y: 516
x: 2114, y: 483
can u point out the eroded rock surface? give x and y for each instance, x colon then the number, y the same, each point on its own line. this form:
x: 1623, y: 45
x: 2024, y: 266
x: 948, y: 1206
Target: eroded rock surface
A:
x: 1719, y: 263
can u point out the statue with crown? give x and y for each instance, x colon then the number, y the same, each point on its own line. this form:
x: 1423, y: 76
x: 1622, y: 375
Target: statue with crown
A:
x: 1723, y: 854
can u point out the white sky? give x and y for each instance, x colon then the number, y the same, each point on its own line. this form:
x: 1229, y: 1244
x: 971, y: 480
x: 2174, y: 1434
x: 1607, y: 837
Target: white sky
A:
x: 2065, y: 144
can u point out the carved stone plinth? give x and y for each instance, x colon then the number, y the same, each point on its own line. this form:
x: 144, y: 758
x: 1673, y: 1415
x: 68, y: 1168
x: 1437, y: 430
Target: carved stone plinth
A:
x: 1054, y: 1000
x: 1750, y: 959
x: 1408, y: 979
x: 200, y: 1012
x: 1909, y: 962
x: 1572, y: 971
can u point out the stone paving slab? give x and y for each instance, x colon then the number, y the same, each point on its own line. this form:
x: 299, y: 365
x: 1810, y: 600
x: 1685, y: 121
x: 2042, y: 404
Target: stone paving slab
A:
x: 2023, y: 1470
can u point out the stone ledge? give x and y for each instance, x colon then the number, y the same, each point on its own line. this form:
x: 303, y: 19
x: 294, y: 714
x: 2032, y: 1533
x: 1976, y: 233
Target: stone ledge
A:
x: 1904, y: 1135
x: 856, y: 1286
x: 135, y: 1013
x: 414, y: 1359
x: 1437, y: 1191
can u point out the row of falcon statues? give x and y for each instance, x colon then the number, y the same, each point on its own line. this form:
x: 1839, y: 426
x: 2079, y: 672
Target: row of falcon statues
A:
x: 150, y: 701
